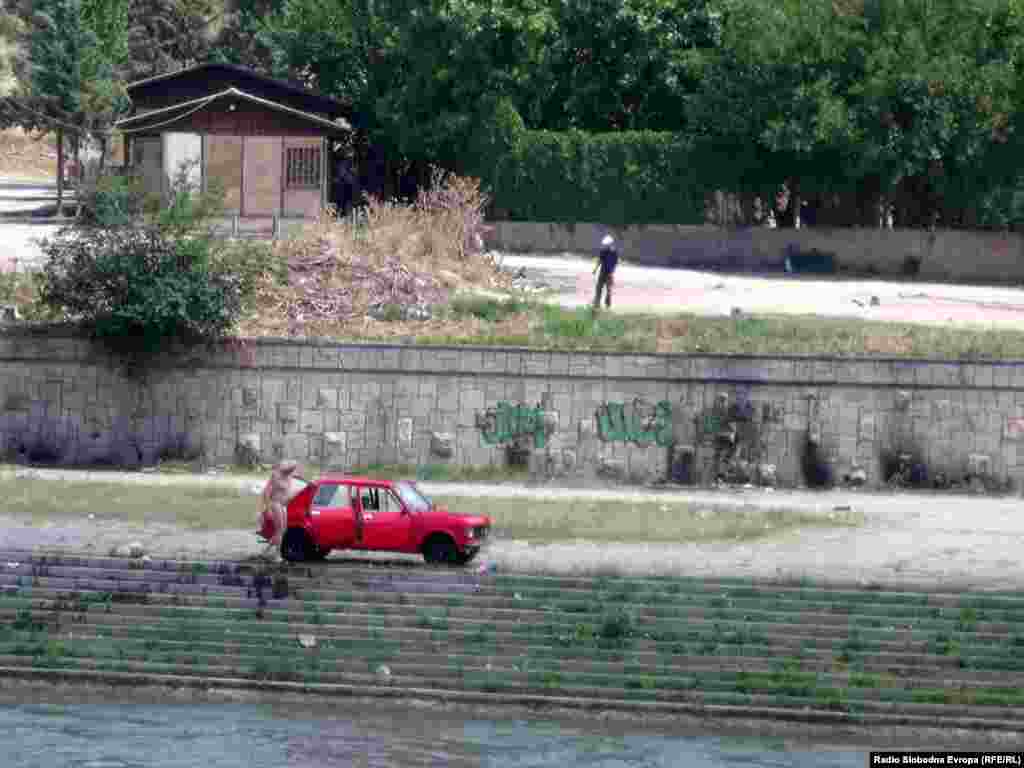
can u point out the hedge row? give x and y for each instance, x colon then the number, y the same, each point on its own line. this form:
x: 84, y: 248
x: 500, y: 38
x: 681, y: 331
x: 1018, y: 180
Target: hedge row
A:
x: 624, y: 178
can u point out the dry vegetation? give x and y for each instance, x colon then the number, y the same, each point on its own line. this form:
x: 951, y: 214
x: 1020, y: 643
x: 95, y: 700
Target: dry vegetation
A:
x: 384, y: 274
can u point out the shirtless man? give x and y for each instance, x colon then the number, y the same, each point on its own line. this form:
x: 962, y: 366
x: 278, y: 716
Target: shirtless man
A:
x: 275, y: 502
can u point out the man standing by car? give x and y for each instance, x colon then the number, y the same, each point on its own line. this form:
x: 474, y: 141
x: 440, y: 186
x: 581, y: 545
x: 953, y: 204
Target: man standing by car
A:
x: 607, y: 260
x: 276, y: 494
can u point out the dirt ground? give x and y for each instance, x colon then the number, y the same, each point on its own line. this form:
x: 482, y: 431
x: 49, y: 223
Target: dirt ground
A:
x: 666, y: 291
x: 910, y: 539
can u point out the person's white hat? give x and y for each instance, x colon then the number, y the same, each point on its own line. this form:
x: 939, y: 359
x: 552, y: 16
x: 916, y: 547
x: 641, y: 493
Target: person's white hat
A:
x: 608, y: 240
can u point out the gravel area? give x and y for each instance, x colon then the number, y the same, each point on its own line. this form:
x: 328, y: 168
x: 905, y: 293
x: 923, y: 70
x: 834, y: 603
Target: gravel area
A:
x: 928, y: 540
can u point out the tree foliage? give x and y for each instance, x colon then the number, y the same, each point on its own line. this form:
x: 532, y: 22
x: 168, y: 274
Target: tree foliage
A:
x: 857, y: 106
x: 166, y: 35
x: 144, y: 285
x: 910, y: 103
x: 69, y: 65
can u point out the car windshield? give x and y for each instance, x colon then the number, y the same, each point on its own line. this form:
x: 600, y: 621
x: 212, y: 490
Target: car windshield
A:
x: 413, y: 499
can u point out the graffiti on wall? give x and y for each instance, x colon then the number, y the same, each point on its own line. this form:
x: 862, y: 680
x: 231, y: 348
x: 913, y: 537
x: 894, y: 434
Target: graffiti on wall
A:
x: 506, y: 422
x: 639, y: 422
x: 732, y: 431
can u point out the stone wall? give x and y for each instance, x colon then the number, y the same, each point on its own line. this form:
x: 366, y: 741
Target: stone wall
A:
x: 638, y: 417
x: 942, y: 255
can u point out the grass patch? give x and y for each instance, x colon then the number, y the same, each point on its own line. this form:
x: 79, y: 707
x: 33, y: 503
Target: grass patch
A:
x: 493, y: 322
x: 487, y: 308
x: 189, y: 506
x: 824, y: 336
x: 608, y: 521
x: 218, y: 508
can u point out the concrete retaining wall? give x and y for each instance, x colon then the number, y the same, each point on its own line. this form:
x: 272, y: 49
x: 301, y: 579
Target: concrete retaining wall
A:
x: 944, y: 254
x: 571, y: 414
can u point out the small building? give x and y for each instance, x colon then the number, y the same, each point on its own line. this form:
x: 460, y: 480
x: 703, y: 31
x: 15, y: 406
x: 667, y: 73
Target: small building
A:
x: 268, y: 142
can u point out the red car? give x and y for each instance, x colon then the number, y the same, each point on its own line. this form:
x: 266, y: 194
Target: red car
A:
x: 341, y: 512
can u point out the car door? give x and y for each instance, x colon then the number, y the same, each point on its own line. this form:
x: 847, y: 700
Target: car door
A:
x: 332, y: 517
x: 386, y: 524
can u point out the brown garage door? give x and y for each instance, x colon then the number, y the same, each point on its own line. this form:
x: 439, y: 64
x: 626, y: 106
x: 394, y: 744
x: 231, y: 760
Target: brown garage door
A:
x: 262, y: 185
x: 224, y: 163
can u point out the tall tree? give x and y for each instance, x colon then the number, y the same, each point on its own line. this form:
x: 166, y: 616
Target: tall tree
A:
x: 68, y: 69
x: 48, y: 67
x: 871, y: 103
x: 166, y: 35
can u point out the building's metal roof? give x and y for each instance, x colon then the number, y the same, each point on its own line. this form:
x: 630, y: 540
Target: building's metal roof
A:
x: 165, y: 115
x: 324, y: 103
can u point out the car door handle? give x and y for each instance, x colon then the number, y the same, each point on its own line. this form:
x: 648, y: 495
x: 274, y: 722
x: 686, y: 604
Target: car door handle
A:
x: 367, y: 517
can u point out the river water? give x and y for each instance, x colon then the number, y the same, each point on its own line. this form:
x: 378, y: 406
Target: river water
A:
x: 247, y: 735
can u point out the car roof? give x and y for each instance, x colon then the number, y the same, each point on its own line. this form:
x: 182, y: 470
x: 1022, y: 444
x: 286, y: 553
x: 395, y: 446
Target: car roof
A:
x: 352, y: 480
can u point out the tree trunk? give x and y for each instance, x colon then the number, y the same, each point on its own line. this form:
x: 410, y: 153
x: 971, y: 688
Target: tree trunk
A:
x: 104, y: 148
x: 60, y: 171
x: 81, y: 176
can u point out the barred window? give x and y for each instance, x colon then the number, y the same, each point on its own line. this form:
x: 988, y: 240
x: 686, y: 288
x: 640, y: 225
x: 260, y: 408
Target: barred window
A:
x: 303, y: 167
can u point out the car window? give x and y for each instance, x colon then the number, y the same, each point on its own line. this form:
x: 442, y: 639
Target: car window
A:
x: 389, y: 502
x: 414, y: 500
x: 370, y: 499
x: 327, y: 496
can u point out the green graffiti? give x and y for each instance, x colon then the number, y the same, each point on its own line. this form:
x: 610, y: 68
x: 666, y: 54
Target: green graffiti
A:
x: 713, y: 423
x: 642, y: 423
x: 507, y: 422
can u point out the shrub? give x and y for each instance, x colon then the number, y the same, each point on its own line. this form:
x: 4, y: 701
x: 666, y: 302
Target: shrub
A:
x: 455, y: 207
x: 140, y: 282
x: 111, y: 201
x: 616, y: 626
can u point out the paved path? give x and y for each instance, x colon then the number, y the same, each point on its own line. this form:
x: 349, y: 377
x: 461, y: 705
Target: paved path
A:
x: 19, y: 249
x: 666, y: 291
x: 908, y: 538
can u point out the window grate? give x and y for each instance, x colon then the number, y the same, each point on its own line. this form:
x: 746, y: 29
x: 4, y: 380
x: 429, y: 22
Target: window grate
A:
x: 302, y: 167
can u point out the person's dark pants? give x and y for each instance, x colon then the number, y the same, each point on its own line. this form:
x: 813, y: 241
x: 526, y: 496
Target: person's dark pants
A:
x: 605, y: 282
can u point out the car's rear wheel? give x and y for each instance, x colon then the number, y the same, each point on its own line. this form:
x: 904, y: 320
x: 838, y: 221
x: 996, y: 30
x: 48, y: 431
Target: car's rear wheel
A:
x: 296, y: 546
x: 440, y: 550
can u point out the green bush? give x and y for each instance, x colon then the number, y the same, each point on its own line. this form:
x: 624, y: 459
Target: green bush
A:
x: 111, y: 201
x: 616, y: 626
x: 619, y: 179
x: 141, y: 282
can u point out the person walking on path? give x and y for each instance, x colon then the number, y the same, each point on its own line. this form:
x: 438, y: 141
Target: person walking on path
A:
x: 607, y: 260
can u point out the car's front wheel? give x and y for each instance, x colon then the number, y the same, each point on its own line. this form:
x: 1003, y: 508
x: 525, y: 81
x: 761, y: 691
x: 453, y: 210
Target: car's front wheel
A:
x: 296, y: 546
x: 467, y: 556
x: 440, y: 550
